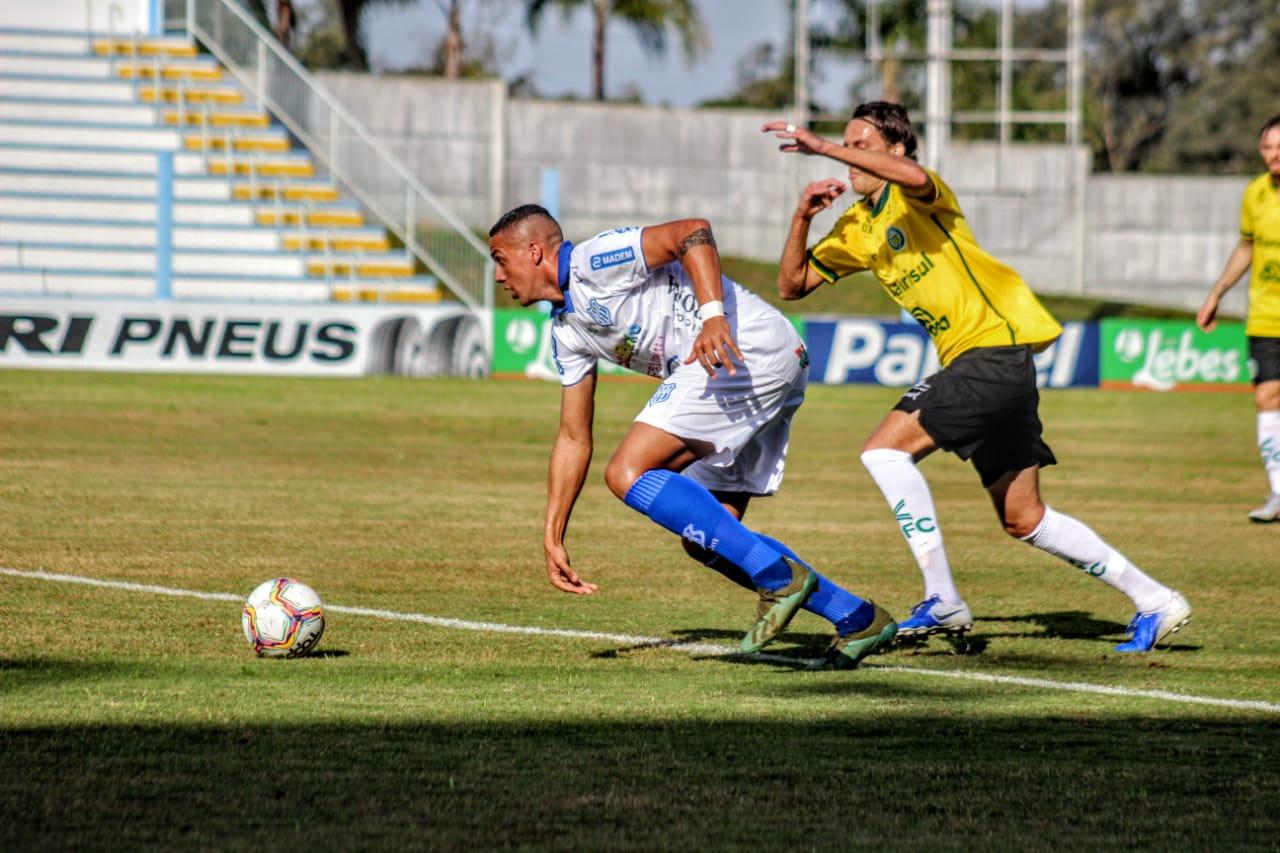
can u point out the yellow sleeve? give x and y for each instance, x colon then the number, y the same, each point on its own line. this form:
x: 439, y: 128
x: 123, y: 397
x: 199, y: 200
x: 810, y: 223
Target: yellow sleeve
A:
x: 832, y: 257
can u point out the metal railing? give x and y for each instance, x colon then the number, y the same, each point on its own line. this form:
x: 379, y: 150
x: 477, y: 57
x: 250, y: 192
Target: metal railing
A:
x: 430, y: 232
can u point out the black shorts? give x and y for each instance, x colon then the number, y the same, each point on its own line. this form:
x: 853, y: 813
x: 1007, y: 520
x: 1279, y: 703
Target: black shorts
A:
x: 1264, y: 359
x: 984, y: 406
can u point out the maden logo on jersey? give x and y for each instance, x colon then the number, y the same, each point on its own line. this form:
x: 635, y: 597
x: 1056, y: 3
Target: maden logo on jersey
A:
x: 612, y: 259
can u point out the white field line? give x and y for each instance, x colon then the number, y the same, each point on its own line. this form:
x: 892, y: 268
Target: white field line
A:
x: 709, y: 649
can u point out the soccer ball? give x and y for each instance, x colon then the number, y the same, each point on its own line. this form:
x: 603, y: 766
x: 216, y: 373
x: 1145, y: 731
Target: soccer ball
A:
x: 283, y: 618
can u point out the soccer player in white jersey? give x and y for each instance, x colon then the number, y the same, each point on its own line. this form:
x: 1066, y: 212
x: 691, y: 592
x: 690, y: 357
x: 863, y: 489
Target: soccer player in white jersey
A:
x: 733, y: 372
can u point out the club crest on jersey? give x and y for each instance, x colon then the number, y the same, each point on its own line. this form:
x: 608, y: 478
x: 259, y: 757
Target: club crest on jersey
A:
x: 599, y: 313
x: 662, y: 394
x: 612, y: 259
x: 895, y: 238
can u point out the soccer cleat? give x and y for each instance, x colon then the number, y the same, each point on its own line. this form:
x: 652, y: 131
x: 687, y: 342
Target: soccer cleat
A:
x: 847, y: 650
x: 1268, y: 512
x: 778, y: 607
x: 1152, y: 627
x: 934, y: 616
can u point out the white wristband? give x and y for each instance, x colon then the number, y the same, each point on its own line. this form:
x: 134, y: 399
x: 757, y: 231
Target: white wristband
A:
x: 714, y: 308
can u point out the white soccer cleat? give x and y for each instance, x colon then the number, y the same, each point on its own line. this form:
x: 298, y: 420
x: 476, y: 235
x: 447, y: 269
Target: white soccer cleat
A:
x: 1268, y: 512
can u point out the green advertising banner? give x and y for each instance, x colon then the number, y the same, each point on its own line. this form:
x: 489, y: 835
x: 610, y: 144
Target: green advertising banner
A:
x: 522, y: 345
x: 1165, y: 355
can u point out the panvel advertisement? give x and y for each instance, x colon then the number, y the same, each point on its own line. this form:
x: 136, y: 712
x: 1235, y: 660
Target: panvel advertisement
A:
x: 1167, y: 355
x: 853, y: 350
x: 243, y: 338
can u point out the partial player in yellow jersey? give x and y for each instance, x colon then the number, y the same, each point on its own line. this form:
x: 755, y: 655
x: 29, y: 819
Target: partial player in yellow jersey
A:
x: 907, y: 228
x: 1259, y: 248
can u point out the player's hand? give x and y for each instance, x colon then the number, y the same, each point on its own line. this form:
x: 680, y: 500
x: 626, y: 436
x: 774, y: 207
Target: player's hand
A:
x: 1207, y: 316
x: 818, y: 196
x: 714, y: 347
x: 797, y: 140
x: 561, y: 575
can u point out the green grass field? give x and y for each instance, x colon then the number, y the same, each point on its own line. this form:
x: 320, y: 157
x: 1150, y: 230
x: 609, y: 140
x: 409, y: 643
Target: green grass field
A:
x: 131, y: 719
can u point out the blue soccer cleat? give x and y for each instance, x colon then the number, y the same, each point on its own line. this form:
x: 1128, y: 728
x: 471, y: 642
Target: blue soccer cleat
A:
x: 934, y: 616
x: 1152, y: 627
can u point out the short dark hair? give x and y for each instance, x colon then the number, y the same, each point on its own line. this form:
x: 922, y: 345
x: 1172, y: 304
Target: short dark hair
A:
x: 1274, y: 121
x: 516, y: 215
x: 892, y: 122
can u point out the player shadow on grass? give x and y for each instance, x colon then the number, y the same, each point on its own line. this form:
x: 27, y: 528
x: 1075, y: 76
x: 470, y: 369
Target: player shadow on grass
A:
x: 1073, y: 625
x: 806, y: 648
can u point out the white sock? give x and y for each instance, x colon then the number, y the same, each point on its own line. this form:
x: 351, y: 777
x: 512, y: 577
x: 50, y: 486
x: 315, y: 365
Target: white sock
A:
x: 1269, y: 447
x: 1064, y: 537
x: 903, y: 486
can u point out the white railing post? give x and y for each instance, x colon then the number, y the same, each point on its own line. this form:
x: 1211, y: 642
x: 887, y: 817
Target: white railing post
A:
x: 229, y: 156
x: 156, y: 74
x: 333, y: 139
x: 410, y: 217
x: 261, y: 92
x: 205, y: 140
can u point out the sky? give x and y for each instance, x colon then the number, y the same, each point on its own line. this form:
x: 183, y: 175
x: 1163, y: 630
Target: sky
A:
x: 558, y: 58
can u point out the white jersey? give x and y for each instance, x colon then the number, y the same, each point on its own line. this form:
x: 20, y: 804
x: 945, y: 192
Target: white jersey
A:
x: 617, y: 309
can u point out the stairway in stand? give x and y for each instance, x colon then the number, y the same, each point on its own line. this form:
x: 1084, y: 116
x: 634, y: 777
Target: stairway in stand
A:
x: 84, y: 122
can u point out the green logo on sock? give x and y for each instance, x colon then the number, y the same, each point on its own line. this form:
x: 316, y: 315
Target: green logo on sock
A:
x: 909, y: 523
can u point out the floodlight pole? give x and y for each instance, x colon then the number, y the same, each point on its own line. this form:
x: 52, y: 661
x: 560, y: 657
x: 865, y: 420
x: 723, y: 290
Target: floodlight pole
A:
x: 800, y: 95
x: 1078, y: 161
x: 937, y: 83
x: 800, y: 27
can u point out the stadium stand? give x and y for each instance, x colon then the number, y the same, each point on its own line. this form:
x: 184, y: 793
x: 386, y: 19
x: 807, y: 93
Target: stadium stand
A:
x: 90, y: 126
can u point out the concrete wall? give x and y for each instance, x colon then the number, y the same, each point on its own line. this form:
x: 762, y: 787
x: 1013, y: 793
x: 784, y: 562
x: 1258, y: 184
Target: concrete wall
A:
x: 449, y: 134
x: 129, y: 15
x: 1160, y: 240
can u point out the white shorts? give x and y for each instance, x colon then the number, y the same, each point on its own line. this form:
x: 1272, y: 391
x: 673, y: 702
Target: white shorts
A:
x: 746, y: 418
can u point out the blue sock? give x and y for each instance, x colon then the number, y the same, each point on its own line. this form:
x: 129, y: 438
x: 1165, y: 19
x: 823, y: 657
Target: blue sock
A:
x: 687, y: 509
x: 829, y: 600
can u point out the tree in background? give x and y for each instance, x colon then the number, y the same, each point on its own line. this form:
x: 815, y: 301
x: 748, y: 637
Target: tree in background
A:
x: 330, y: 36
x: 901, y: 29
x: 765, y: 80
x: 1200, y: 108
x: 649, y: 19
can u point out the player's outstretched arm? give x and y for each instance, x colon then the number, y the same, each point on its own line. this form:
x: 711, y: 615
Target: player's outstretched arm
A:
x: 690, y: 242
x: 896, y: 169
x: 1241, y: 257
x: 567, y: 471
x: 796, y: 279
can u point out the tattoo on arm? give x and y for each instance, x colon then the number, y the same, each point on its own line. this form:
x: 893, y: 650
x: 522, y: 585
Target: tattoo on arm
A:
x: 701, y: 237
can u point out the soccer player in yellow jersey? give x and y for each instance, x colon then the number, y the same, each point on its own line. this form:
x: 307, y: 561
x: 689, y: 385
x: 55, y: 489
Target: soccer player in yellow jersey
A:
x: 909, y: 231
x: 1259, y: 247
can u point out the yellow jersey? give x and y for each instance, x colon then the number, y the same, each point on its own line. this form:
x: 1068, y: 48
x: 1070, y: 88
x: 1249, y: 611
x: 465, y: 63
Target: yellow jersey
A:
x: 1260, y: 222
x: 928, y: 262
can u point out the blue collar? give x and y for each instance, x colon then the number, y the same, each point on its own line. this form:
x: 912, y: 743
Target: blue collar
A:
x: 566, y: 249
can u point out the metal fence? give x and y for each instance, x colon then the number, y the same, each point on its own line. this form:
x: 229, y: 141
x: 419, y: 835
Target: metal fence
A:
x: 429, y: 231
